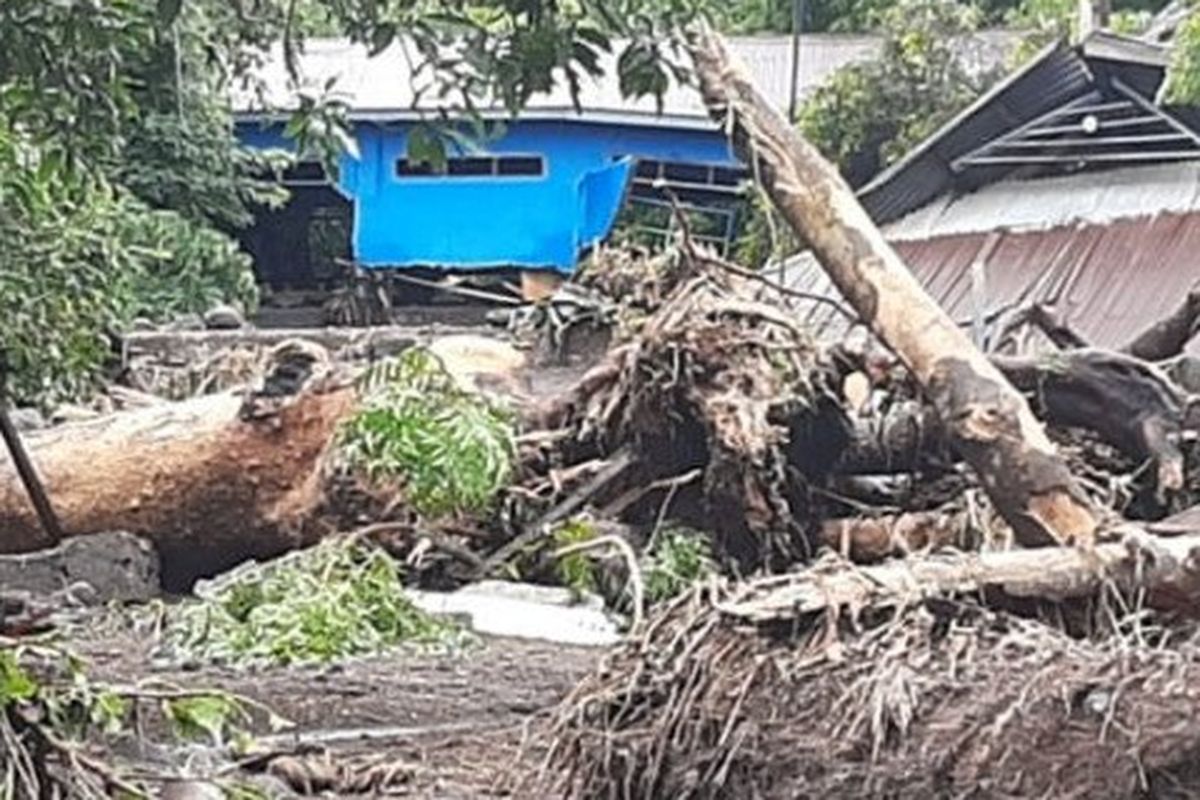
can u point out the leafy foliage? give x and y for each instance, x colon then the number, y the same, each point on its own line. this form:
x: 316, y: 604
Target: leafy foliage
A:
x: 82, y: 259
x: 678, y: 559
x: 576, y: 571
x: 452, y: 449
x: 336, y: 600
x: 205, y: 716
x: 869, y: 114
x: 1183, y: 78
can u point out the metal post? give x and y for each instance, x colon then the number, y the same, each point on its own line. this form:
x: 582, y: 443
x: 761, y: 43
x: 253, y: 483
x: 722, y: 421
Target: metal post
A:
x: 25, y: 468
x: 797, y: 27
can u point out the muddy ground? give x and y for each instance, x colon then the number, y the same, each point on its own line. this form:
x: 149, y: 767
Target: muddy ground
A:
x: 452, y: 723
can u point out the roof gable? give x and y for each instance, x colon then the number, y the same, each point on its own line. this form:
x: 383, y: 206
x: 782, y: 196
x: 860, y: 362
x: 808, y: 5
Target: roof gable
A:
x: 1069, y: 108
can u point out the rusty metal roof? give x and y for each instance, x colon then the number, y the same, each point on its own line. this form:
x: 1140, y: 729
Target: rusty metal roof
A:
x: 1109, y: 281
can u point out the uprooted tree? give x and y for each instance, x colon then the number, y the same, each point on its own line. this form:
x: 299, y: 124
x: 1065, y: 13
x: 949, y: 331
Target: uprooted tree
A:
x: 989, y: 422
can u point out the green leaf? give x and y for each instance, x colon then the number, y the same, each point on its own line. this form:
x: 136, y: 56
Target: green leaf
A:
x: 202, y: 716
x: 16, y: 685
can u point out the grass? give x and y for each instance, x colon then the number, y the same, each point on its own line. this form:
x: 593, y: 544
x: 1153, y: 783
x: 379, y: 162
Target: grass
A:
x: 337, y: 600
x: 451, y: 449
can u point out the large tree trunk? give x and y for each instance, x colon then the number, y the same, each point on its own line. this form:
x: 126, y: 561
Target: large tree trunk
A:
x: 988, y: 420
x: 211, y: 481
x: 1168, y: 337
x: 1167, y: 568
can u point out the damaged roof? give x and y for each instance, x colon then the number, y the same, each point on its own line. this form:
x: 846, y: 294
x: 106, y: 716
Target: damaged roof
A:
x: 1107, y: 280
x: 1107, y: 81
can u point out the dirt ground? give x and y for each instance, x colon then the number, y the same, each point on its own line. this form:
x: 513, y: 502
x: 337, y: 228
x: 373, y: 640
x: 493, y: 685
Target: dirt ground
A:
x: 453, y: 724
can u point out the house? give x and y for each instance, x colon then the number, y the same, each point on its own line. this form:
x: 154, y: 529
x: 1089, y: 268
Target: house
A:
x: 1069, y: 184
x: 538, y: 196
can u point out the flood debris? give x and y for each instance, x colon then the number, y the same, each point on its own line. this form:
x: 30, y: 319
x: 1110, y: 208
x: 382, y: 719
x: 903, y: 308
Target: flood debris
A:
x: 939, y: 699
x: 338, y: 600
x: 891, y: 565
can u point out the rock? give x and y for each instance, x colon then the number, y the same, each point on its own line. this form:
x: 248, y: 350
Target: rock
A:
x: 224, y: 318
x: 27, y: 419
x: 547, y: 613
x: 70, y: 412
x: 192, y: 790
x: 143, y: 324
x: 116, y: 566
x: 482, y: 363
x: 186, y: 322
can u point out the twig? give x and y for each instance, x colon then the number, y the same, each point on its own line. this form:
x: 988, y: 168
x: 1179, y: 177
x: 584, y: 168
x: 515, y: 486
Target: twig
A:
x: 618, y: 506
x: 616, y: 467
x: 788, y: 291
x: 623, y: 549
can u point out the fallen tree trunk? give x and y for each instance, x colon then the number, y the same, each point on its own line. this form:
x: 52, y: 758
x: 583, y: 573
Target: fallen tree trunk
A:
x: 875, y: 538
x: 990, y: 423
x: 211, y: 481
x: 1167, y: 338
x: 1167, y: 568
x: 1130, y: 403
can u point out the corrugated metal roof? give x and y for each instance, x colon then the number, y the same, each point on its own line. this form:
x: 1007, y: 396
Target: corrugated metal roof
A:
x: 1108, y: 281
x: 1095, y: 197
x: 1058, y: 74
x: 383, y: 86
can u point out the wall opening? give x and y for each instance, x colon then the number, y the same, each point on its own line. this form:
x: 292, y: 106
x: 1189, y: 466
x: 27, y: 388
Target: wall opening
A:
x: 711, y: 198
x: 303, y: 245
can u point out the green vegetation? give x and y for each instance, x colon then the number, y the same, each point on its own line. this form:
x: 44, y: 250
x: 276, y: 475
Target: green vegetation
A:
x: 451, y: 449
x: 576, y: 571
x: 678, y: 559
x: 52, y: 711
x: 336, y: 600
x: 1183, y: 79
x: 868, y: 115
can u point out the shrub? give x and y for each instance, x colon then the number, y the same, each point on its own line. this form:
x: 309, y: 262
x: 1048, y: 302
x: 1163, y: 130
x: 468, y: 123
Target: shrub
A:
x: 450, y: 448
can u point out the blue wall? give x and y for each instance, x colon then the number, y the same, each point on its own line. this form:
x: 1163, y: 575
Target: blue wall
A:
x: 480, y: 222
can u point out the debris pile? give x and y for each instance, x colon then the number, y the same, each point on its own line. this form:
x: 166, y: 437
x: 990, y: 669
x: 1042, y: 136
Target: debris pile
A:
x: 944, y: 698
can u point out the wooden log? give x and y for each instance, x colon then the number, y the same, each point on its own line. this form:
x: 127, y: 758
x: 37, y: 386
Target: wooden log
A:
x: 1168, y: 568
x: 875, y: 538
x: 211, y: 481
x: 1132, y: 404
x: 990, y: 423
x: 1168, y: 337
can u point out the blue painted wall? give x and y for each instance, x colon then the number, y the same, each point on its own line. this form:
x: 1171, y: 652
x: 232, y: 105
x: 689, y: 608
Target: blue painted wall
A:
x: 500, y: 221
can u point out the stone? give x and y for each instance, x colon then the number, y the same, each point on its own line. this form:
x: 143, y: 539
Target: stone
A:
x: 186, y: 322
x: 224, y: 317
x: 116, y: 566
x: 27, y: 419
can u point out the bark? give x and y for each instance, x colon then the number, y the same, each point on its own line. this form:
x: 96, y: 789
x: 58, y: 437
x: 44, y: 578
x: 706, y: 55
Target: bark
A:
x: 1131, y: 404
x: 990, y: 423
x: 1167, y: 338
x: 211, y: 481
x: 1168, y: 568
x: 874, y: 538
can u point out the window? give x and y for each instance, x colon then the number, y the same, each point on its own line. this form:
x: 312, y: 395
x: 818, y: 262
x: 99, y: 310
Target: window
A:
x: 520, y: 165
x: 477, y: 167
x: 306, y: 173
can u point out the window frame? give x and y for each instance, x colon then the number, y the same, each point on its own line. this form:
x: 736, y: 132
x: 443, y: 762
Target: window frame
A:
x: 494, y: 176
